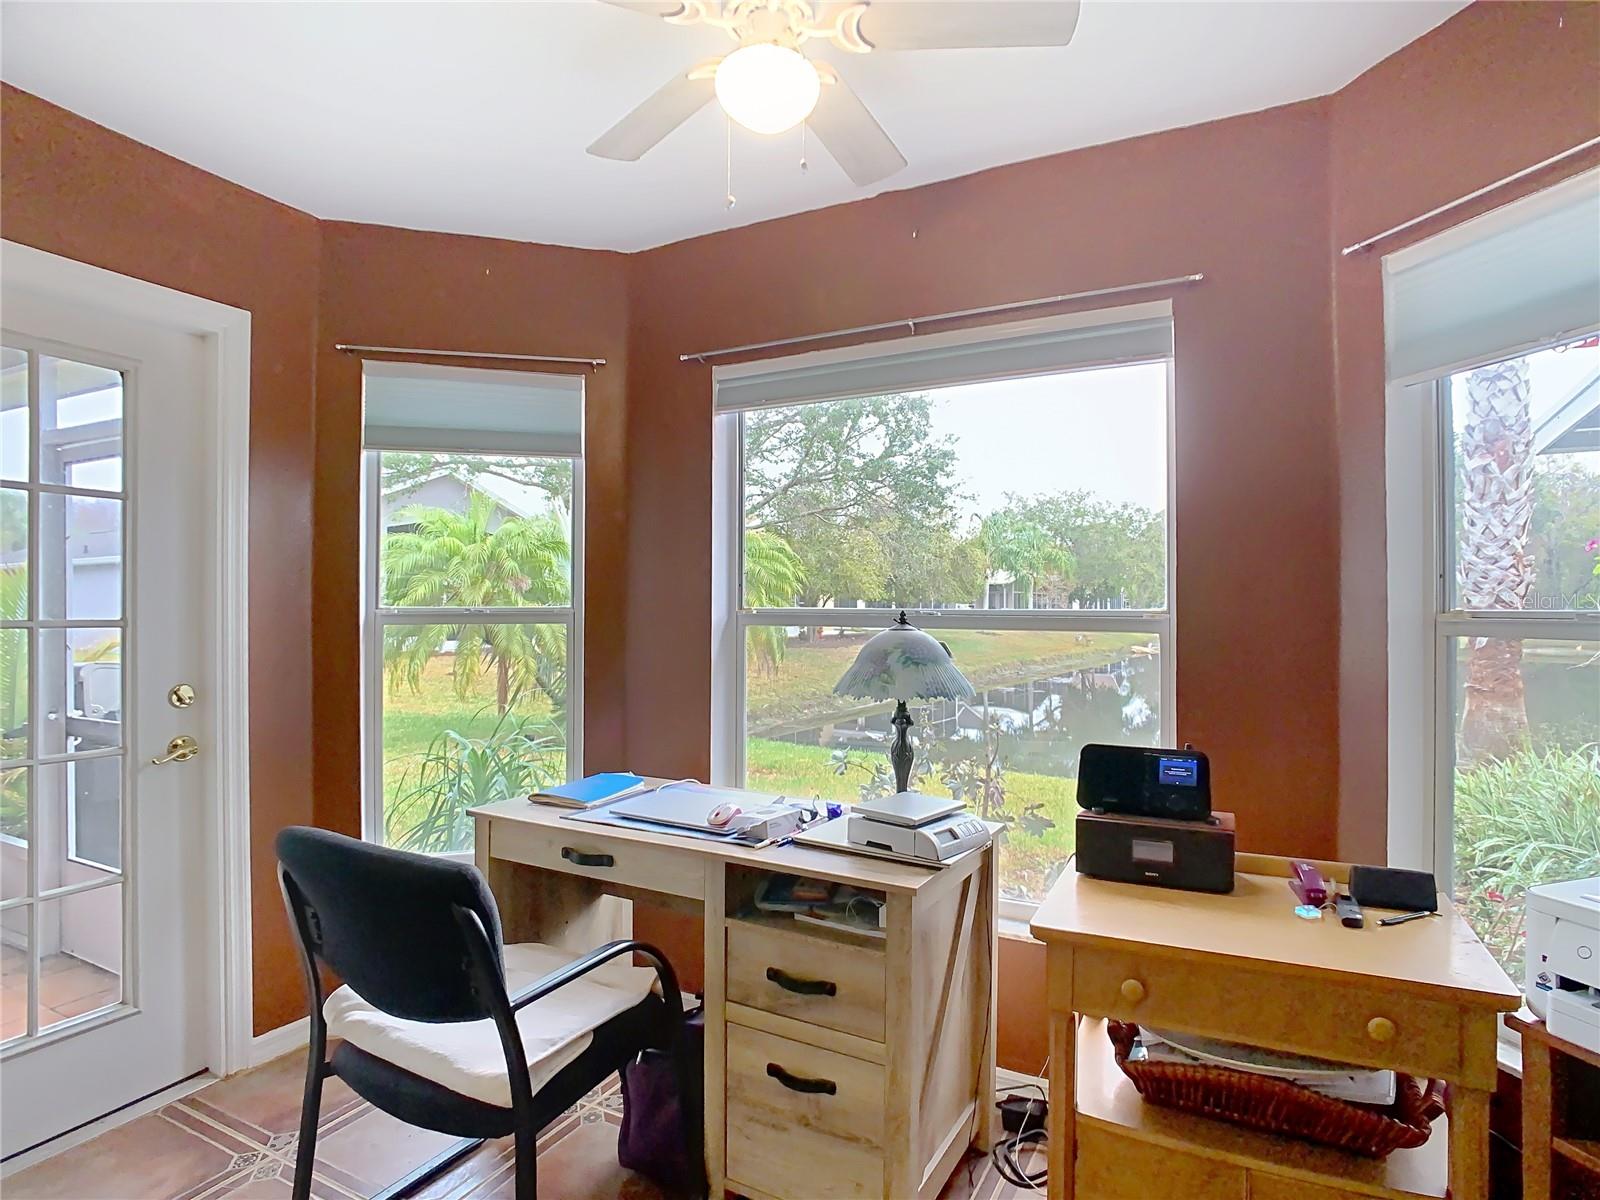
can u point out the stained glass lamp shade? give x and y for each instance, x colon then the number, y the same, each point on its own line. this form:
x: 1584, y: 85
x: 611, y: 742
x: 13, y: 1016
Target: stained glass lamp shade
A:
x: 903, y: 663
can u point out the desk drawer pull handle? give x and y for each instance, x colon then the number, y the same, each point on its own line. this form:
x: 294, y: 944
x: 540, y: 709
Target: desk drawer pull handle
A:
x: 579, y: 859
x: 799, y: 1083
x: 802, y: 987
x: 1380, y: 1029
x: 1132, y: 991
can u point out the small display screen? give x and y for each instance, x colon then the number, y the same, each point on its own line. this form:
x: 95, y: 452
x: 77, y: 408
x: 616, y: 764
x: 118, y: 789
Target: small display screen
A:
x: 1178, y: 772
x: 1158, y: 853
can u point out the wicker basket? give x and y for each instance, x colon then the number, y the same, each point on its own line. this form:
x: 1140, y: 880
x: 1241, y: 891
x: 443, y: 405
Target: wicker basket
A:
x: 1278, y: 1106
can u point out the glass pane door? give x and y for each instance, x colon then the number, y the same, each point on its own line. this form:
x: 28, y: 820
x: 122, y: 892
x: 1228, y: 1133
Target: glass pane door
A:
x: 62, y: 630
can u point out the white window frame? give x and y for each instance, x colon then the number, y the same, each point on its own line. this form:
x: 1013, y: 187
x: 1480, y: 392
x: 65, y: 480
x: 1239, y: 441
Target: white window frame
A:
x: 375, y: 617
x: 731, y: 619
x: 1422, y: 627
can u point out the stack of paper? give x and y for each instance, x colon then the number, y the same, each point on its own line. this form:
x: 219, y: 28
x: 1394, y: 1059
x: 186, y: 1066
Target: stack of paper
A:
x: 1341, y: 1081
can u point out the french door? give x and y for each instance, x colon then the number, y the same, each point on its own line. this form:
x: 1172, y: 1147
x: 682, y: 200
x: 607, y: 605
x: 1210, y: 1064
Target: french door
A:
x: 106, y: 538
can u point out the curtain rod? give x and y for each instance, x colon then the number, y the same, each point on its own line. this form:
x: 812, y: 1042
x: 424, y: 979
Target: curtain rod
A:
x: 911, y: 323
x: 543, y: 358
x: 1471, y: 196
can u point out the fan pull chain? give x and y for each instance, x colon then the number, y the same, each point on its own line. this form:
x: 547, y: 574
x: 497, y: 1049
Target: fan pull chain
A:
x: 731, y: 199
x: 805, y: 129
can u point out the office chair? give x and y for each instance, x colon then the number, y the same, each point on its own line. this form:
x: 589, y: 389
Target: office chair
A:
x: 441, y: 1025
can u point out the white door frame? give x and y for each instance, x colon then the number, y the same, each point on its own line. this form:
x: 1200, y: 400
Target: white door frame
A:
x: 226, y: 869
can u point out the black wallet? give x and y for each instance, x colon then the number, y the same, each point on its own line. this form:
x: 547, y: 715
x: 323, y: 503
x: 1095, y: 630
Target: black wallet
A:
x: 1390, y: 887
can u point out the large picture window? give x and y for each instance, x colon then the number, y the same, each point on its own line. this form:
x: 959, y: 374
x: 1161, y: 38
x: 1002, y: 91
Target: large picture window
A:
x: 1010, y: 489
x: 473, y: 574
x: 1493, y: 449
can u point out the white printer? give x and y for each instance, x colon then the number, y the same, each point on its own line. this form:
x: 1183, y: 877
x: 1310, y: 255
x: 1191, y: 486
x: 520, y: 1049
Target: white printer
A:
x: 1562, y: 978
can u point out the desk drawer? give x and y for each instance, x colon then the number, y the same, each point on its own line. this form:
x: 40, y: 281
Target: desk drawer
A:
x: 802, y: 1121
x: 821, y: 981
x: 578, y: 851
x: 1349, y: 1022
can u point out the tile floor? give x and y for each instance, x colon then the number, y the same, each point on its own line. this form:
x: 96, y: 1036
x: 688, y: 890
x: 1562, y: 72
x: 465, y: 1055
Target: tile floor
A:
x: 236, y: 1139
x: 68, y: 987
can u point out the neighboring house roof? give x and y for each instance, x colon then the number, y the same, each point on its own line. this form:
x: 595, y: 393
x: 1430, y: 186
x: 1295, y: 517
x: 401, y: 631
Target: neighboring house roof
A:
x: 517, y: 499
x: 1574, y: 424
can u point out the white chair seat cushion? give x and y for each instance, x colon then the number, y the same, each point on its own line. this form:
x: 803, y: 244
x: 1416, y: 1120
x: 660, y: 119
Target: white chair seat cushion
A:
x: 465, y: 1056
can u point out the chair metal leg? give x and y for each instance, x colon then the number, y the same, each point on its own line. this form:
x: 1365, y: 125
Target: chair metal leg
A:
x: 305, y: 1155
x: 527, y: 1142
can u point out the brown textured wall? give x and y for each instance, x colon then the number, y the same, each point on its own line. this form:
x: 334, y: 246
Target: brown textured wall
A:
x: 76, y: 189
x: 1497, y: 88
x: 398, y: 287
x: 1243, y: 200
x: 1280, y: 518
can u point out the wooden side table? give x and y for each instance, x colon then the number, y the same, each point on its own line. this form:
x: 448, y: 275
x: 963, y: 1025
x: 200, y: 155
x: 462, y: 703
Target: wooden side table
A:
x: 1422, y: 998
x: 1560, y: 1130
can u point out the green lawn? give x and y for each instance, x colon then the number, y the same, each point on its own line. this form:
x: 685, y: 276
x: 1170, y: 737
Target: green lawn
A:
x: 801, y: 689
x: 787, y: 769
x: 413, y: 718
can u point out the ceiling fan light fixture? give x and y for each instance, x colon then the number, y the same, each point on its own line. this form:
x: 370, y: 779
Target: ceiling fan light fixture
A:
x: 766, y: 87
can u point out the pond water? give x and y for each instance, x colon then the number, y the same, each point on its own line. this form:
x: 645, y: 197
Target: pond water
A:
x: 1042, y: 723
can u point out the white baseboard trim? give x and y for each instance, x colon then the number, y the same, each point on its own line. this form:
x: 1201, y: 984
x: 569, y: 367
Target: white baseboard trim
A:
x: 275, y: 1043
x: 76, y: 1137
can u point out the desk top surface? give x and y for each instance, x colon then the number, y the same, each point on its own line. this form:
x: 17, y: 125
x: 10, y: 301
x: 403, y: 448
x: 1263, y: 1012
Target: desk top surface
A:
x: 840, y: 867
x: 1255, y: 926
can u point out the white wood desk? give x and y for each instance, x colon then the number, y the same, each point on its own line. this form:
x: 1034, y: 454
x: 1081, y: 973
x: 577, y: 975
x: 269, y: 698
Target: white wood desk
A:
x: 901, y: 1027
x: 1421, y: 998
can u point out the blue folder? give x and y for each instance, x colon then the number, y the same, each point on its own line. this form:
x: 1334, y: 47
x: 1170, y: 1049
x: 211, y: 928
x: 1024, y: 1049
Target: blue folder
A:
x: 592, y: 789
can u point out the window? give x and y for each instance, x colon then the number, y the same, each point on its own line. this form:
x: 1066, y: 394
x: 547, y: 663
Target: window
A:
x: 1499, y: 646
x: 473, y: 486
x: 1007, y: 486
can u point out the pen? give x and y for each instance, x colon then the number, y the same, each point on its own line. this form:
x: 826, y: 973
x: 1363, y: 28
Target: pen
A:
x: 1404, y: 917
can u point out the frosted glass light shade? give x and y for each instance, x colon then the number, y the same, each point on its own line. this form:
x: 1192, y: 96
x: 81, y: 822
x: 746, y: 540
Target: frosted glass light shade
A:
x: 767, y: 88
x: 904, y: 663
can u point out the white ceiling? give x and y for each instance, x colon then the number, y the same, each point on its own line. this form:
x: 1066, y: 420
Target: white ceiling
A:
x: 473, y: 118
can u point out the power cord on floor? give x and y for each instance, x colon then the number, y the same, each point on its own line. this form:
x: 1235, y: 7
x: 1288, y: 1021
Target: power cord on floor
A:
x: 1008, y: 1151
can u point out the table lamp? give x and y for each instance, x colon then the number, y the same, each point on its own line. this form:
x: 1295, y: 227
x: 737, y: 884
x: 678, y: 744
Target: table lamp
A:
x: 903, y: 663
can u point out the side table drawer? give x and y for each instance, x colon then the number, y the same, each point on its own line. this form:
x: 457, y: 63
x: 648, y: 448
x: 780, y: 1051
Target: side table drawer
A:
x: 1343, y: 1021
x: 802, y: 1121
x: 814, y: 979
x: 576, y: 851
x: 1279, y: 1187
x: 1113, y: 1167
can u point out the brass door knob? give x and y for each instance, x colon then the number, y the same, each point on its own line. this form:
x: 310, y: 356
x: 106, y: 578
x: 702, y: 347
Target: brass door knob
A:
x: 1380, y: 1029
x: 1132, y: 991
x: 180, y: 749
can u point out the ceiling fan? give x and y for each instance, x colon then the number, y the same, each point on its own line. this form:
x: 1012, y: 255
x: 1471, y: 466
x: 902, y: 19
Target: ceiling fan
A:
x: 769, y: 85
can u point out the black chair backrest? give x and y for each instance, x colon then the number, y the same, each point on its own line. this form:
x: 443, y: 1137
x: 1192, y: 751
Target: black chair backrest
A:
x: 385, y: 921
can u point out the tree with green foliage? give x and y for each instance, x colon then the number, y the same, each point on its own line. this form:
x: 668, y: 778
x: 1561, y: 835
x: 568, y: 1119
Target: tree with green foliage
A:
x: 845, y: 484
x: 1117, y: 552
x: 1025, y: 550
x: 773, y: 577
x: 478, y: 559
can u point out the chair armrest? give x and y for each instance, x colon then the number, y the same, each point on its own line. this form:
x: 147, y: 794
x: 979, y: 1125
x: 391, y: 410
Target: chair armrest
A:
x: 578, y: 968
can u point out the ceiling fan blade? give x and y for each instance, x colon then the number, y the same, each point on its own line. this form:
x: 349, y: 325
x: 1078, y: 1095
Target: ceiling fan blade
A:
x: 853, y: 136
x: 658, y: 116
x: 963, y: 24
x: 650, y: 8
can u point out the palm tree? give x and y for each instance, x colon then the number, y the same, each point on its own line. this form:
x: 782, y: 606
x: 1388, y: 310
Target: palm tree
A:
x: 478, y: 559
x: 1494, y: 567
x: 773, y: 578
x: 1025, y: 550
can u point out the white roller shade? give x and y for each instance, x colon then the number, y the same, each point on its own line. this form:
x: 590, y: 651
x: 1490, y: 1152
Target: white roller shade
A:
x: 416, y: 406
x: 1522, y: 277
x: 1140, y: 333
